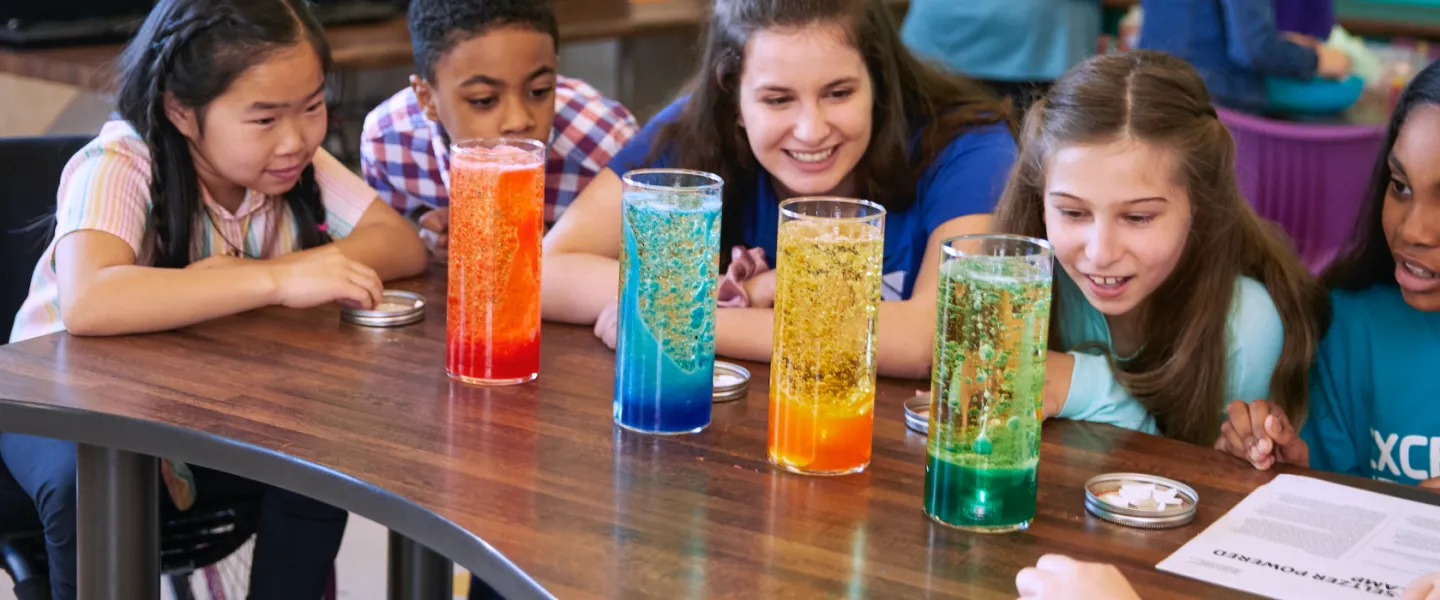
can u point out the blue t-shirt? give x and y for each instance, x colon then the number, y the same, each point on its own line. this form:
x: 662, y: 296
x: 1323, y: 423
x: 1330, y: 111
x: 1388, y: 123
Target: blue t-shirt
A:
x: 965, y: 179
x: 1375, y: 389
x: 1254, y: 338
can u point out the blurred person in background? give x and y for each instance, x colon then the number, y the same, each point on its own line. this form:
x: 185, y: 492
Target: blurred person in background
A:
x: 1017, y: 47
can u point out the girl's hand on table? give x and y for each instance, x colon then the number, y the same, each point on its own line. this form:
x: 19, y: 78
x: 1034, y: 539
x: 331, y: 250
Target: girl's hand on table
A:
x: 1057, y: 577
x: 1426, y: 587
x: 1261, y: 433
x: 607, y: 325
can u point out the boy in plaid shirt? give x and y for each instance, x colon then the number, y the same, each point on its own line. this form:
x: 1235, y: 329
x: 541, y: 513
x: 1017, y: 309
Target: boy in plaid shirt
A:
x: 486, y: 68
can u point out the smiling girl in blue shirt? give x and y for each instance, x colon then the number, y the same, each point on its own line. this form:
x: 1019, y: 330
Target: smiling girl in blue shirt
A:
x: 806, y: 99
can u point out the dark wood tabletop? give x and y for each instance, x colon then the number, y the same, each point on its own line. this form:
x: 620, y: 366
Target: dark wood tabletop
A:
x: 536, y: 482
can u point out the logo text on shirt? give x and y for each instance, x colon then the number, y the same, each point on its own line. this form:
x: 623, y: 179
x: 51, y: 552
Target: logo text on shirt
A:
x: 1387, y: 447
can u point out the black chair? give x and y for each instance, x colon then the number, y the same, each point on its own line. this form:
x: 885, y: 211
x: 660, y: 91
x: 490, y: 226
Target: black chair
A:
x: 29, y: 180
x: 30, y: 173
x: 18, y: 551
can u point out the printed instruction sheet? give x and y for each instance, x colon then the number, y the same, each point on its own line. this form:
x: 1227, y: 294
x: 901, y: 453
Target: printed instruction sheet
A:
x: 1304, y: 538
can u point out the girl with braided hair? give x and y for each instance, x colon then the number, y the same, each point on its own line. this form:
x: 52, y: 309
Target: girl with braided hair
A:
x: 211, y: 197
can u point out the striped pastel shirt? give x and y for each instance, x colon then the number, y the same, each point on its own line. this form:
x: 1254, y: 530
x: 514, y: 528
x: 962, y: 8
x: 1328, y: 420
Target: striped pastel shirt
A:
x: 106, y: 187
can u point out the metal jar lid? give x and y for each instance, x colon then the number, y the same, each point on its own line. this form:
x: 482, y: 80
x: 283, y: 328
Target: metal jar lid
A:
x: 917, y: 413
x: 1100, y: 487
x: 731, y: 382
x: 396, y: 308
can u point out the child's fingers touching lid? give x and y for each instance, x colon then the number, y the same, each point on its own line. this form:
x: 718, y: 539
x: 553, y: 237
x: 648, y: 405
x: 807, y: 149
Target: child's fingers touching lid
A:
x: 369, y: 282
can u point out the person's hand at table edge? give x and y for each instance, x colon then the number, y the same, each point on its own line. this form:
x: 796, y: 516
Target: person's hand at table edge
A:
x: 1427, y: 587
x: 1260, y: 433
x: 1058, y: 577
x: 607, y: 325
x: 435, y: 228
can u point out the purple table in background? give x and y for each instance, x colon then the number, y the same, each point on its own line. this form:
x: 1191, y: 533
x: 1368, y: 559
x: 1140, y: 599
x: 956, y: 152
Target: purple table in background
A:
x: 1308, y: 177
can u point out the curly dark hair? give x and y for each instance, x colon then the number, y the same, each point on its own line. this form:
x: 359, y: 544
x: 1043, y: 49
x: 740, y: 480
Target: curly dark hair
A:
x: 436, y: 26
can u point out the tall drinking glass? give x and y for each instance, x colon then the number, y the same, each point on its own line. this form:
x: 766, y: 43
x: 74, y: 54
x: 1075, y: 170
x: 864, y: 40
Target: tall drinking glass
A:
x: 497, y: 216
x: 822, y: 370
x: 669, y: 264
x: 988, y: 382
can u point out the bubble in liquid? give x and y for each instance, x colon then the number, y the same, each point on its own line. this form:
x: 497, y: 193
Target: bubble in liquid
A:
x: 983, y: 446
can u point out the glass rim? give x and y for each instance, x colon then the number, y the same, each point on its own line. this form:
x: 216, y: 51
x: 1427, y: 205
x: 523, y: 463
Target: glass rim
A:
x: 467, y: 145
x: 785, y: 210
x: 715, y: 181
x: 947, y: 246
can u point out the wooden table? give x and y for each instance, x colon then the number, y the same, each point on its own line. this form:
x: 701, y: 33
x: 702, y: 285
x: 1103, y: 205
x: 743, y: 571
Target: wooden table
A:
x: 379, y: 45
x: 535, y: 489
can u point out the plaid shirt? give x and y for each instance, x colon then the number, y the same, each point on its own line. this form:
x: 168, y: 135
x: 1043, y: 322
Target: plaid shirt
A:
x: 406, y: 157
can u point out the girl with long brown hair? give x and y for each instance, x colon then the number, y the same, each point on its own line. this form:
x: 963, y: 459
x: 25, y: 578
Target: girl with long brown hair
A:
x: 1173, y: 298
x: 805, y: 98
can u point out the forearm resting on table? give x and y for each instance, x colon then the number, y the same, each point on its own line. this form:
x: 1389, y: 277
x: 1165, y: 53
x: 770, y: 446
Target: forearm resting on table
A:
x: 574, y: 288
x: 905, y: 346
x: 744, y: 333
x: 394, y: 252
x: 125, y: 299
x: 906, y: 342
x: 1059, y: 366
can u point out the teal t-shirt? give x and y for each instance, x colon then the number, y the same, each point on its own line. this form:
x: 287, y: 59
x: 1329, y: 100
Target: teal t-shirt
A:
x: 1006, y: 40
x: 1254, y: 337
x: 1375, y: 389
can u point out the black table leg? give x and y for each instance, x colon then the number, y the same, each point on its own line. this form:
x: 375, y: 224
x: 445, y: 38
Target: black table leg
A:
x: 417, y: 572
x: 117, y: 524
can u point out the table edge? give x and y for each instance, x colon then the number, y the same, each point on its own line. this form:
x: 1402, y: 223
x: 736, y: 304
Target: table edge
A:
x: 276, y: 468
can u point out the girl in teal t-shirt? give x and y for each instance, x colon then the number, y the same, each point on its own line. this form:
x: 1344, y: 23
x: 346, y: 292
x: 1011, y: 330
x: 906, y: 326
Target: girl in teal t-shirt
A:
x: 1375, y: 386
x: 1172, y: 297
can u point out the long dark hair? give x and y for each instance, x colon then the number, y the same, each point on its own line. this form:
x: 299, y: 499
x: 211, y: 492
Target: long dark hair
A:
x: 1179, y: 373
x: 908, y: 92
x: 1366, y: 260
x: 194, y: 50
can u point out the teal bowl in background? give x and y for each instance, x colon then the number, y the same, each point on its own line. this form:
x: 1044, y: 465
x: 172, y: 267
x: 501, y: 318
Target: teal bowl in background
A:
x: 1313, y: 97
